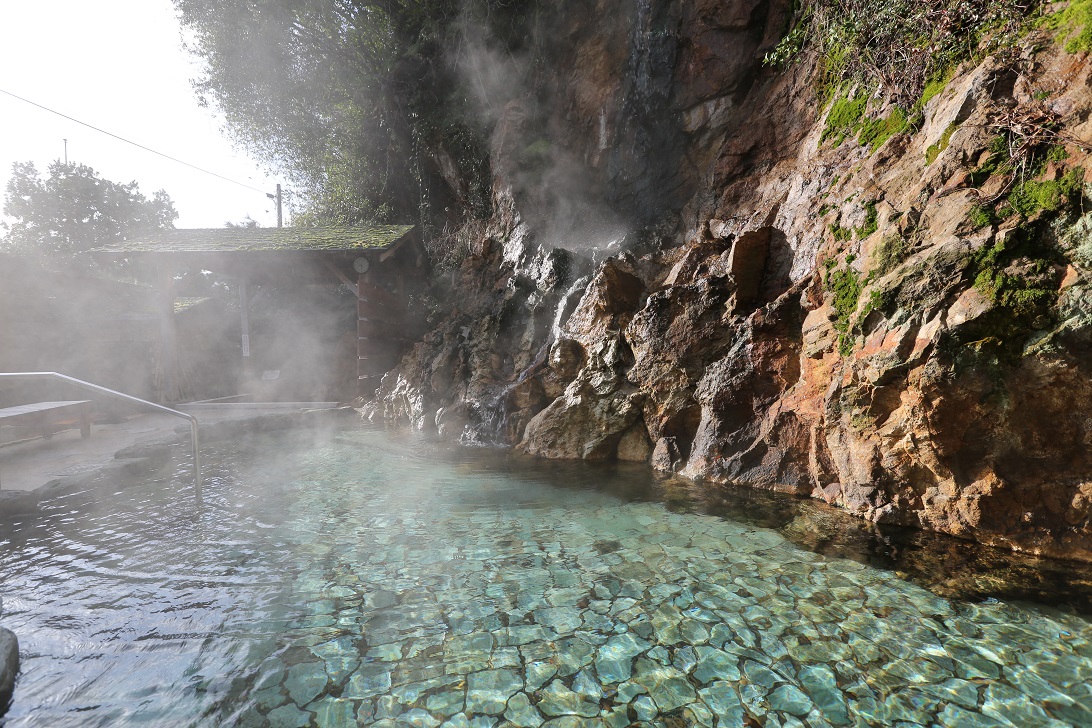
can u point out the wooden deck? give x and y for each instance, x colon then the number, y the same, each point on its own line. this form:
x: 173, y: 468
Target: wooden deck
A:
x: 45, y: 416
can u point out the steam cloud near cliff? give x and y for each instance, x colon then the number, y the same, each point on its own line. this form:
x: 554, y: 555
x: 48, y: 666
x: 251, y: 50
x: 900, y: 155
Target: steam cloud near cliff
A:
x: 557, y: 193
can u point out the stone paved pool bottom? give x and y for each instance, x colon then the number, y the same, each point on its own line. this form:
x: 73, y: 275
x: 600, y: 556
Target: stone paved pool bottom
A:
x: 413, y: 590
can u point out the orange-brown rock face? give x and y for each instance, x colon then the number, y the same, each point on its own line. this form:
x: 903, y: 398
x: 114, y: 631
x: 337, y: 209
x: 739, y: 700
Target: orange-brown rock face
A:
x: 839, y: 322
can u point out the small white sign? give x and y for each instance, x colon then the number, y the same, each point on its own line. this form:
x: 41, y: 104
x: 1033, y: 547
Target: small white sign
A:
x: 270, y: 375
x: 246, y: 345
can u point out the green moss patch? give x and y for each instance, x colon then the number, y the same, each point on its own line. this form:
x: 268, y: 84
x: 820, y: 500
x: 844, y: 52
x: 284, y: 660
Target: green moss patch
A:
x: 1030, y: 198
x: 934, y: 87
x: 871, y: 223
x: 889, y: 254
x: 980, y: 216
x: 1073, y: 26
x: 874, y: 132
x: 844, y: 119
x: 840, y: 233
x: 848, y: 119
x: 935, y: 150
x: 1023, y: 290
x: 846, y: 286
x: 900, y: 47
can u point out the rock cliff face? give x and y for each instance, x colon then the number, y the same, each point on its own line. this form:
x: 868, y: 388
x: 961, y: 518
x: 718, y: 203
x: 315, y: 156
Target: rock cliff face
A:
x: 894, y: 326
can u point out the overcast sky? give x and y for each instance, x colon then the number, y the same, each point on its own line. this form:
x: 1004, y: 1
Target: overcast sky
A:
x: 119, y: 65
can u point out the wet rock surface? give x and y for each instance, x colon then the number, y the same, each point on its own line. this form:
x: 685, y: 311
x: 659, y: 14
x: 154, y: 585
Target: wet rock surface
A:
x: 9, y: 666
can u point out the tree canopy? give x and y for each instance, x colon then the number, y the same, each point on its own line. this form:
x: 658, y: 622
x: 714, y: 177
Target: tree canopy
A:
x: 74, y: 209
x: 360, y: 103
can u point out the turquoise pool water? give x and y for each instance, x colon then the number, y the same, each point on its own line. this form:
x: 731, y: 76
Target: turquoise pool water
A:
x: 369, y: 578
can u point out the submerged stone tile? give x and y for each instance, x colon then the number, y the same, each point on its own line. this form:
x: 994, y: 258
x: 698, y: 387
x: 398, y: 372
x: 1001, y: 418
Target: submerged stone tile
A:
x: 684, y: 660
x: 521, y: 713
x: 660, y: 654
x: 753, y: 698
x: 522, y: 634
x: 667, y: 686
x: 573, y: 653
x: 409, y: 693
x: 665, y: 621
x: 644, y: 708
x: 366, y: 712
x: 463, y: 646
x: 693, y: 631
x: 954, y: 690
x: 821, y: 684
x: 505, y: 657
x: 570, y: 721
x: 789, y: 699
x: 821, y: 651
x: 617, y: 718
x: 306, y: 681
x: 1004, y: 702
x: 613, y: 661
x: 719, y: 634
x: 760, y: 675
x: 557, y: 700
x: 1058, y: 668
x: 269, y: 697
x: 627, y: 691
x: 714, y: 664
x: 563, y: 620
x: 911, y: 705
x: 969, y: 664
x: 538, y: 673
x: 253, y: 719
x: 957, y: 717
x: 915, y: 670
x: 446, y: 703
x: 585, y: 684
x: 697, y: 714
x: 723, y: 700
x: 597, y: 622
x: 409, y: 672
x: 387, y: 706
x: 288, y: 716
x: 456, y: 721
x: 427, y: 645
x: 418, y: 718
x: 488, y: 691
x: 368, y: 681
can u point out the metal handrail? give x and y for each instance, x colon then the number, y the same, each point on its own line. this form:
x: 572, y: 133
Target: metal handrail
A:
x: 129, y: 397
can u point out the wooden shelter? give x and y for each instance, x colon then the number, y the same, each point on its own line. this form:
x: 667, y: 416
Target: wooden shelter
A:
x: 376, y: 263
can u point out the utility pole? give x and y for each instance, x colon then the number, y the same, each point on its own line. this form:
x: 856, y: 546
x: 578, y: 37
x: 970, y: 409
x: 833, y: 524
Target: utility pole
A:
x: 66, y: 152
x: 277, y: 197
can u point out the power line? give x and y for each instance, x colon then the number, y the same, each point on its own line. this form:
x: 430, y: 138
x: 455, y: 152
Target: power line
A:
x: 128, y: 141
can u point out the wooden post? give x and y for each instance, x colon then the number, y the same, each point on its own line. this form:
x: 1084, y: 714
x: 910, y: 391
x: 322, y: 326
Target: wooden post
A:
x: 280, y: 218
x: 244, y: 325
x: 168, y: 338
x: 363, y: 378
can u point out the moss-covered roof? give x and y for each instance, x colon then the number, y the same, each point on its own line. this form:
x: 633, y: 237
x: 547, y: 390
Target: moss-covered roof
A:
x: 255, y: 240
x: 182, y: 303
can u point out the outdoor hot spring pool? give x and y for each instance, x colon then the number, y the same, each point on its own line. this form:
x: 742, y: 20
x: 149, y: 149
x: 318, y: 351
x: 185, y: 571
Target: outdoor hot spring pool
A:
x: 372, y: 578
